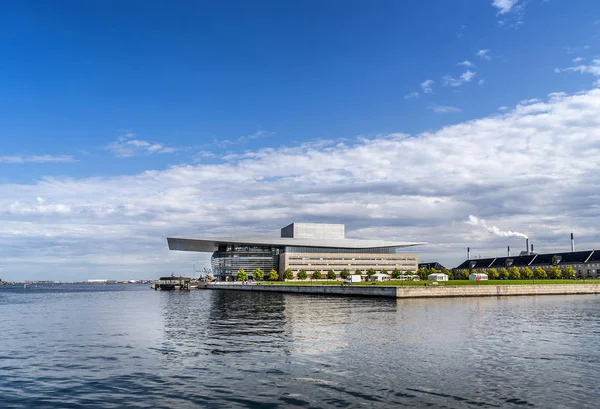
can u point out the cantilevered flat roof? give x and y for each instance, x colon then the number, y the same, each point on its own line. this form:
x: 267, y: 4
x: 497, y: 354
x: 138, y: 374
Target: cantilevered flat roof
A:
x: 210, y: 245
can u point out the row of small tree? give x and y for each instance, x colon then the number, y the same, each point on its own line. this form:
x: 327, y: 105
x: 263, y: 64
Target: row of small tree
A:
x: 524, y: 273
x: 288, y: 274
x: 258, y: 275
x: 513, y: 273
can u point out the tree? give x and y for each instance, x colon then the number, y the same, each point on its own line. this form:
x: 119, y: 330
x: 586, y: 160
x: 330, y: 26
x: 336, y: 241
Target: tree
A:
x: 409, y: 272
x: 370, y: 272
x: 241, y: 275
x: 258, y: 274
x: 540, y: 273
x: 554, y: 272
x: 288, y: 274
x: 422, y: 273
x: 503, y: 273
x: 273, y: 275
x: 448, y: 273
x: 569, y: 272
x: 331, y: 275
x: 316, y: 275
x: 302, y: 275
x: 344, y: 274
x: 526, y: 273
x: 514, y: 273
x: 383, y: 271
x: 559, y: 273
x: 358, y: 272
x: 493, y: 274
x: 464, y: 274
x: 396, y: 273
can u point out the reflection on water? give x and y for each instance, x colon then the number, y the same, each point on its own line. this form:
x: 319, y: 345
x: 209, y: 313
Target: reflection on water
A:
x: 128, y: 346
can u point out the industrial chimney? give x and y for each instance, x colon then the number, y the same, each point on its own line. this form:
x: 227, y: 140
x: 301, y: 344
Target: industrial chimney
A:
x: 468, y: 253
x: 508, y: 251
x: 572, y: 243
x: 526, y: 247
x: 531, y: 248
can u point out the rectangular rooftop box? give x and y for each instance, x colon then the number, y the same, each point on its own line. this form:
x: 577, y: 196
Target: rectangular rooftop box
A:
x: 321, y: 231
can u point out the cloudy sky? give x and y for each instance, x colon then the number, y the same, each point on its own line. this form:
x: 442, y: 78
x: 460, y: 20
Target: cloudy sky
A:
x: 124, y: 123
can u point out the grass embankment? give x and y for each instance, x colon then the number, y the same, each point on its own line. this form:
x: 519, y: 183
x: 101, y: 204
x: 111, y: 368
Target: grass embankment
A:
x: 399, y: 283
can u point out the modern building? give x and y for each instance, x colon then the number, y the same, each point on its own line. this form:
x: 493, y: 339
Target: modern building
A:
x: 302, y: 246
x: 585, y: 263
x: 97, y: 281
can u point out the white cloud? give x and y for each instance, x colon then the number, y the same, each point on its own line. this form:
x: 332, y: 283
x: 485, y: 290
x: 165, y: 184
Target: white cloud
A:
x: 593, y: 68
x: 127, y: 146
x: 39, y: 207
x: 531, y: 168
x: 504, y: 6
x: 243, y: 138
x: 37, y: 159
x: 465, y: 63
x: 466, y: 76
x: 485, y: 54
x: 426, y: 86
x: 411, y: 95
x: 443, y: 109
x: 578, y: 59
x: 481, y: 82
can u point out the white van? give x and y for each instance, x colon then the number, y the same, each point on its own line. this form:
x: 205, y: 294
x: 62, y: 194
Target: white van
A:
x: 354, y: 278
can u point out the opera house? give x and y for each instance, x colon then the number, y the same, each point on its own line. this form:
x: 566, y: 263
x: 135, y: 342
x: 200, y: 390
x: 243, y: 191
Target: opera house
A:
x: 302, y: 246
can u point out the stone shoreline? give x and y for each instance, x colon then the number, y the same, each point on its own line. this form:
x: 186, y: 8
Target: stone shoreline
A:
x: 418, y: 292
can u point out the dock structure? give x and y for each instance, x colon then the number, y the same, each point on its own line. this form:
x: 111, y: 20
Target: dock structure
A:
x: 172, y: 283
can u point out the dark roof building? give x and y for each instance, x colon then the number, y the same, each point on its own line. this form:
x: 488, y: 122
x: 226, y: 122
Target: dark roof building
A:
x: 431, y: 266
x: 585, y: 263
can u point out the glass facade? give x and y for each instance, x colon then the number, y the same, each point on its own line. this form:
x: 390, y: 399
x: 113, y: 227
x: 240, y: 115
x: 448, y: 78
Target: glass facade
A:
x: 229, y: 259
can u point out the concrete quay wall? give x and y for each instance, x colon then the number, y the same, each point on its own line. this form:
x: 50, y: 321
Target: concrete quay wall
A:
x: 364, y: 291
x: 430, y: 291
x: 496, y: 290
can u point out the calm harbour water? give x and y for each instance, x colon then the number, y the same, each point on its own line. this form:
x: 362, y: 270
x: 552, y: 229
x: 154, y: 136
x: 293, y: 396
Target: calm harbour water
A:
x: 126, y: 346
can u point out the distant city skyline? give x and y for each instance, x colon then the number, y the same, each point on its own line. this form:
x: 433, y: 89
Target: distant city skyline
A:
x: 123, y: 124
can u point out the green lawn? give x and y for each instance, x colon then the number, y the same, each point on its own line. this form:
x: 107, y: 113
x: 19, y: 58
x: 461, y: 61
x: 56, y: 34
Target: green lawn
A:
x: 441, y: 283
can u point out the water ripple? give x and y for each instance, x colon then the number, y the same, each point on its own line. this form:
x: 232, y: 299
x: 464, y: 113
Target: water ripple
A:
x: 129, y: 347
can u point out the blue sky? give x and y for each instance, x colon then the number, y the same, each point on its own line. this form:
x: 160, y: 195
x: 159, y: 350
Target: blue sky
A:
x: 99, y: 96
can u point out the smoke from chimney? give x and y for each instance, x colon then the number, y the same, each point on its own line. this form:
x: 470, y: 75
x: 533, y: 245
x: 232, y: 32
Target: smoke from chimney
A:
x: 476, y: 221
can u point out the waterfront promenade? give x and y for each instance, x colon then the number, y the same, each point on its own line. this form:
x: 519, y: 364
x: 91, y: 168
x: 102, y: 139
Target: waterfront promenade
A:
x: 429, y: 291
